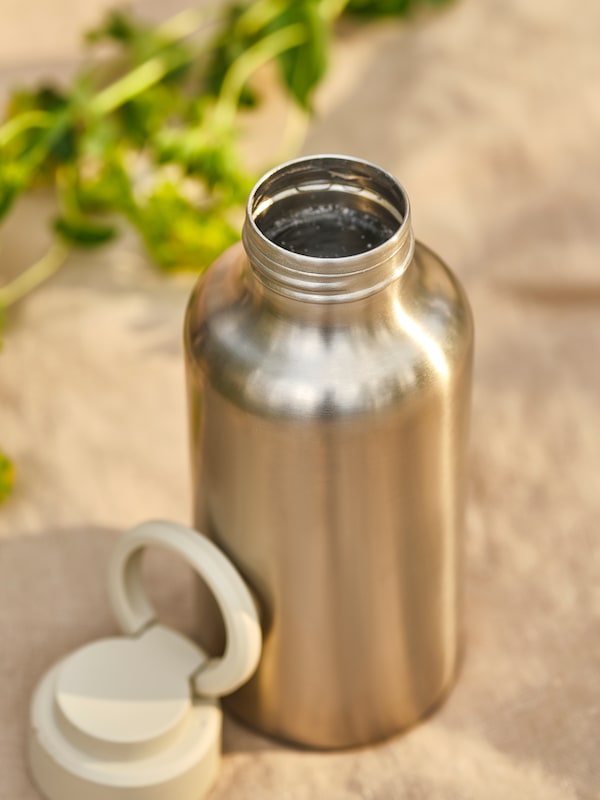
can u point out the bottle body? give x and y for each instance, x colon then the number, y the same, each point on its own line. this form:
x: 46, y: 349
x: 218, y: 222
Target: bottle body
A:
x: 328, y: 442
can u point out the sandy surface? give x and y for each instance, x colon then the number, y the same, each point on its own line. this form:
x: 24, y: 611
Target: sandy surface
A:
x: 490, y: 115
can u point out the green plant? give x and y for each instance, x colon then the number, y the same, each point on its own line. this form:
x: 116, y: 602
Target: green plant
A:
x: 6, y: 476
x: 388, y: 7
x: 151, y: 137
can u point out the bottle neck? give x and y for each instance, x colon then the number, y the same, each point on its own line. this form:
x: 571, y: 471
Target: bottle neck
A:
x: 327, y: 231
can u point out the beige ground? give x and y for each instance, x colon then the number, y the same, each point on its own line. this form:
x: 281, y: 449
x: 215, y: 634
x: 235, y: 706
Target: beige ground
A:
x: 490, y: 115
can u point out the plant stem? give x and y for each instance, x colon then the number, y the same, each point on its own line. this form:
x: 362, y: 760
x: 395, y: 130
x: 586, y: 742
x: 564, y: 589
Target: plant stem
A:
x: 135, y: 82
x: 253, y: 58
x: 34, y: 275
x: 332, y: 9
x: 22, y: 122
x: 185, y: 23
x: 258, y: 15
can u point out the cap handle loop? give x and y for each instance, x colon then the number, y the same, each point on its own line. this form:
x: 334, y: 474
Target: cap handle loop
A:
x: 134, y: 612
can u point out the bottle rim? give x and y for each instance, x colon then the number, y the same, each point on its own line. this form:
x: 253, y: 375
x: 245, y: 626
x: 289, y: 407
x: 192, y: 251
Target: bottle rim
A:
x: 331, y: 278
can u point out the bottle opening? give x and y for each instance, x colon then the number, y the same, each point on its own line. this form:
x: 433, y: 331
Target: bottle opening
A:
x: 328, y: 228
x: 328, y: 207
x: 327, y: 224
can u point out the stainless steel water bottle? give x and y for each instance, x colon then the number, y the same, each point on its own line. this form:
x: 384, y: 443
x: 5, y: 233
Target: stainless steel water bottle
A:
x: 329, y: 367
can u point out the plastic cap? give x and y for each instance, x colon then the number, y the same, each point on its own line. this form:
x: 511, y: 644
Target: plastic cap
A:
x: 128, y: 718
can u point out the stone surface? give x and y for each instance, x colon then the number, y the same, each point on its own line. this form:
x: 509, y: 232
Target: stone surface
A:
x: 490, y: 115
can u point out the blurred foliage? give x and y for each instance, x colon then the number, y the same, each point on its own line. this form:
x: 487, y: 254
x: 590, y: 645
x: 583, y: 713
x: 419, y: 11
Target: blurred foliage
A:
x: 157, y: 144
x: 386, y: 8
x: 6, y: 476
x: 150, y: 137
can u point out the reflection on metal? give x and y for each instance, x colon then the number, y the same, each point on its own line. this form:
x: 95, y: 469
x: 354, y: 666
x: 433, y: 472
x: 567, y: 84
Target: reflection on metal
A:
x: 420, y: 336
x: 329, y: 401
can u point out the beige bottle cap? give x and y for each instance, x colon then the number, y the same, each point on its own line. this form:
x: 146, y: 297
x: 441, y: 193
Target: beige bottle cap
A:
x: 135, y: 717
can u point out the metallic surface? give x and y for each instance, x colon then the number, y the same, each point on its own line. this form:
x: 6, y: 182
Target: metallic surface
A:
x: 329, y: 403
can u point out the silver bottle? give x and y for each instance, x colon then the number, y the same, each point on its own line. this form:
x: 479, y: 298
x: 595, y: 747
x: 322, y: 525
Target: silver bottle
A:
x: 329, y: 368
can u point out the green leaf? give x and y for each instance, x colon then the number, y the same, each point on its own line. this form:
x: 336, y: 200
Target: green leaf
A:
x: 388, y: 8
x: 118, y: 26
x: 209, y: 153
x: 232, y: 41
x: 83, y: 231
x: 7, y: 476
x: 182, y: 234
x: 147, y: 114
x: 303, y: 66
x: 104, y: 188
x: 45, y: 98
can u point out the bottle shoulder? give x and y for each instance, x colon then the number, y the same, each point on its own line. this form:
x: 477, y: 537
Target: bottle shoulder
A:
x: 410, y: 342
